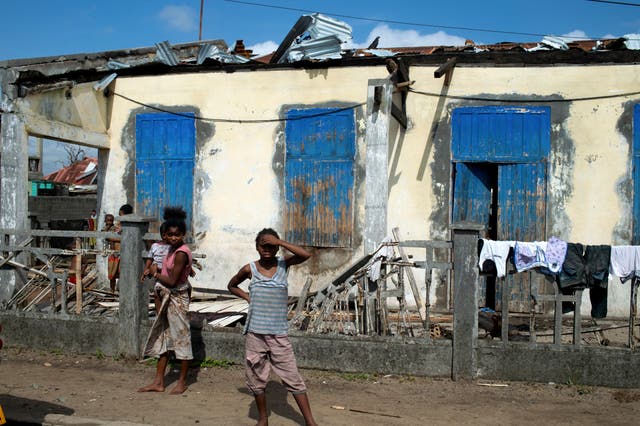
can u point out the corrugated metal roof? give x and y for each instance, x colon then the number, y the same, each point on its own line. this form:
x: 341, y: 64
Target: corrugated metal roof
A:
x: 166, y: 54
x: 325, y: 26
x: 328, y: 47
x: 81, y: 172
x: 316, y: 37
x: 210, y: 51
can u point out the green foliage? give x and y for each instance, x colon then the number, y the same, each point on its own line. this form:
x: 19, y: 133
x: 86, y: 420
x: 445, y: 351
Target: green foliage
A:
x: 99, y: 354
x: 151, y: 362
x: 220, y: 363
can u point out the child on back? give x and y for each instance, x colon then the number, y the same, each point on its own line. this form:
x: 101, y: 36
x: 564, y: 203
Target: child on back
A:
x: 153, y: 263
x: 267, y: 345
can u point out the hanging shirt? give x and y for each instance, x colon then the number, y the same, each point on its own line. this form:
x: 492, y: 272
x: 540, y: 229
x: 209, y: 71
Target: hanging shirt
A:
x: 555, y: 254
x: 268, y: 301
x: 529, y: 255
x: 625, y: 262
x: 498, y: 252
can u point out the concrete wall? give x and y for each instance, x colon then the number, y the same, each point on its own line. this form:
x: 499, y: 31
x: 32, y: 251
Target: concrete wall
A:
x: 613, y: 367
x: 603, y: 366
x: 239, y: 166
x: 46, y: 209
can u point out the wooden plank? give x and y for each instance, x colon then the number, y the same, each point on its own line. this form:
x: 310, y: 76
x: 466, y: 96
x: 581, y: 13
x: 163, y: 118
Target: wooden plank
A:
x: 632, y: 313
x: 77, y: 266
x: 577, y: 319
x: 412, y: 278
x: 24, y: 243
x: 59, y: 233
x: 302, y: 300
x: 426, y: 244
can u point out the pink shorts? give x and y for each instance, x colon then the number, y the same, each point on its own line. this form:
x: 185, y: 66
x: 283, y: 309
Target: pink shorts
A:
x: 266, y: 351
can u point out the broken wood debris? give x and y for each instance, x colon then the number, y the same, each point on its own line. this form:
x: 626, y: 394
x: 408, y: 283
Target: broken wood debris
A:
x: 357, y: 301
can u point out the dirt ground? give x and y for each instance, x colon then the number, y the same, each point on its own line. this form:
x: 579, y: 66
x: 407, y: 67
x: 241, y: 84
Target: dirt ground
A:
x: 39, y: 383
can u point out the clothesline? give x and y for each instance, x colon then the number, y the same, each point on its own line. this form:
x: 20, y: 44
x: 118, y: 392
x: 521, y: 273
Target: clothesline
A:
x: 557, y: 257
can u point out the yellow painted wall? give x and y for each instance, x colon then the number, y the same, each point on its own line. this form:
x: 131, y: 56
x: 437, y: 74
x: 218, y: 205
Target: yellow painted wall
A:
x: 242, y: 192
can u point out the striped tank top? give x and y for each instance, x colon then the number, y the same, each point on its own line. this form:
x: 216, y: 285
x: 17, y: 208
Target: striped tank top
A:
x: 268, y: 301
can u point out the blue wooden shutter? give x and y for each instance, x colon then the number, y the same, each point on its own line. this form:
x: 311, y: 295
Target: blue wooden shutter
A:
x: 501, y: 134
x: 165, y: 159
x: 636, y: 175
x: 522, y: 201
x: 319, y: 177
x: 471, y: 193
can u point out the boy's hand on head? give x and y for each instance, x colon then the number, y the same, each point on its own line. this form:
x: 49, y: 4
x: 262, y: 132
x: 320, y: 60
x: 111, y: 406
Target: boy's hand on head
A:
x: 270, y: 239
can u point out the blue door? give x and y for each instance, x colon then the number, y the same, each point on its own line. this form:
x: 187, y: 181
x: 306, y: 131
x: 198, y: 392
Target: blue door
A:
x: 636, y: 175
x: 471, y: 193
x: 319, y: 177
x: 165, y: 153
x: 502, y: 151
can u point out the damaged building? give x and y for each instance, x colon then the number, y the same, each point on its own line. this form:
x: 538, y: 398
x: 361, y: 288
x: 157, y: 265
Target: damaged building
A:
x: 334, y: 148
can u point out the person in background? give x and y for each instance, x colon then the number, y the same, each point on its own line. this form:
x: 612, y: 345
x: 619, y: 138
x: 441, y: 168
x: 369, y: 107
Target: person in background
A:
x: 114, y: 258
x: 267, y: 345
x: 92, y: 226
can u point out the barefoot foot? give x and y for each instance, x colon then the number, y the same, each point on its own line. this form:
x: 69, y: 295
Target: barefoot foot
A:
x: 153, y: 387
x: 178, y: 389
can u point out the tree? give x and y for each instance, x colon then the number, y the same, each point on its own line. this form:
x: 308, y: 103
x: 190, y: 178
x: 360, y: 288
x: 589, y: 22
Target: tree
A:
x: 74, y: 154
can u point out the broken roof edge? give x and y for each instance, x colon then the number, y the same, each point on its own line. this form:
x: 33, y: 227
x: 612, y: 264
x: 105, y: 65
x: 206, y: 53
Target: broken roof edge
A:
x: 107, y: 54
x: 507, y: 58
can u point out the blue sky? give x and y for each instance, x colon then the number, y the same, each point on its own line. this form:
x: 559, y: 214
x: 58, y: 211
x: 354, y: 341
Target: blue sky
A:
x: 35, y: 28
x: 44, y: 27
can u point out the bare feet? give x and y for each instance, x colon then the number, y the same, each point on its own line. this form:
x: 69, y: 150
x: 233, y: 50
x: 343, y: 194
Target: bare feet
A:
x: 263, y: 422
x: 178, y: 389
x: 153, y: 387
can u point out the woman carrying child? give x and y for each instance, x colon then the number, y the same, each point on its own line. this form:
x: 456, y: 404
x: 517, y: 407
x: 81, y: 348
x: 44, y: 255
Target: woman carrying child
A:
x: 267, y: 345
x: 171, y: 329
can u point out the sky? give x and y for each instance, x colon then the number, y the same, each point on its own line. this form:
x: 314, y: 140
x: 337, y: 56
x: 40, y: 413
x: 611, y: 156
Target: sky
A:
x: 36, y: 28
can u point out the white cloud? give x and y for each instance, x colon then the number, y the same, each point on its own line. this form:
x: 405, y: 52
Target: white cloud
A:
x: 263, y: 48
x: 575, y: 35
x: 181, y: 18
x: 390, y: 37
x: 609, y: 36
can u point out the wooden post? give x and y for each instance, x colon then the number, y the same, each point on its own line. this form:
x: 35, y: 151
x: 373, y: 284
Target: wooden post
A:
x: 134, y: 299
x: 379, y: 101
x: 632, y: 313
x: 465, y: 299
x: 77, y: 266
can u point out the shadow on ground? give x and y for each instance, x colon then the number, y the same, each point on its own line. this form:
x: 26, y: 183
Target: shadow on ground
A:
x: 29, y: 411
x: 276, y: 403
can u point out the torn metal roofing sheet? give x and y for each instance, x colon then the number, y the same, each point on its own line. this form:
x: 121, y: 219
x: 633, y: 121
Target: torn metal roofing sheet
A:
x: 210, y: 51
x: 313, y: 36
x: 329, y: 47
x: 632, y: 41
x: 115, y: 65
x: 323, y: 26
x: 166, y: 54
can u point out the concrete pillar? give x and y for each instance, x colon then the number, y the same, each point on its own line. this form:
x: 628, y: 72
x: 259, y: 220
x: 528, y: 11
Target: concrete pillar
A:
x: 14, y: 190
x: 134, y: 298
x: 465, y: 299
x: 379, y: 101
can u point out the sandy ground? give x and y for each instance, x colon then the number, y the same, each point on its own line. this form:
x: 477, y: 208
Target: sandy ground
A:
x: 38, y: 383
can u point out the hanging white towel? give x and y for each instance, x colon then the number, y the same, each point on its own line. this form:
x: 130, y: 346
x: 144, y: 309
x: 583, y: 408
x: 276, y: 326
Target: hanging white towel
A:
x: 625, y: 262
x: 497, y: 251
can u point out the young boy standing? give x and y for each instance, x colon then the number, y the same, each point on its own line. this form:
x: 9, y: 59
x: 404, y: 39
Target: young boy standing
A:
x: 267, y: 345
